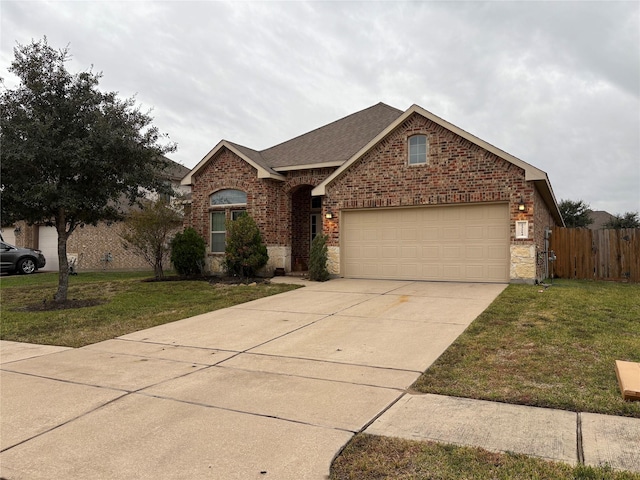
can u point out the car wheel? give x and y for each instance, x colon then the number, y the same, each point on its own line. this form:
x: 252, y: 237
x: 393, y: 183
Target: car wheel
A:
x: 26, y: 266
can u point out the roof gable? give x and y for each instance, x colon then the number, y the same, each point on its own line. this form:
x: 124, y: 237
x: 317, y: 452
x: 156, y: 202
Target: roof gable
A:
x: 531, y: 173
x: 252, y: 157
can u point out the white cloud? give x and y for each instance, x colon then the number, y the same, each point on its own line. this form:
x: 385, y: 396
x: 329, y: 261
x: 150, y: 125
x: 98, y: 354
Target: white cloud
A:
x: 555, y: 83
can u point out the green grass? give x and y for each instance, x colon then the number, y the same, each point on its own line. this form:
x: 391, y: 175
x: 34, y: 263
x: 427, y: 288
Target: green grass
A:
x: 130, y: 304
x: 372, y: 457
x: 552, y: 349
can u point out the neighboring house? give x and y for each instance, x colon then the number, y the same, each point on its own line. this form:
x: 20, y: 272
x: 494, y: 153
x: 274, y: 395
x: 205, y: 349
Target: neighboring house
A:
x: 93, y: 248
x: 401, y: 195
x: 600, y: 219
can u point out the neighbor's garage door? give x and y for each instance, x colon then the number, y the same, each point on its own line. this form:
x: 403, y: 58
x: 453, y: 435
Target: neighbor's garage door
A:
x: 48, y: 243
x: 467, y: 243
x: 8, y: 235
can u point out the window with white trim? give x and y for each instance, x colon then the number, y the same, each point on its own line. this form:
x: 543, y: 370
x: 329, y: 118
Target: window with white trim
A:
x: 223, y: 205
x: 418, y: 150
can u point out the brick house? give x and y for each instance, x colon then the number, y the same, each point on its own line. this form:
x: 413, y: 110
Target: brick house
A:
x: 401, y: 195
x: 94, y: 248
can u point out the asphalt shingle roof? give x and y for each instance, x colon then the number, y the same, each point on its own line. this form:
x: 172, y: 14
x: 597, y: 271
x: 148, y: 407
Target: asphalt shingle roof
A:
x: 332, y: 143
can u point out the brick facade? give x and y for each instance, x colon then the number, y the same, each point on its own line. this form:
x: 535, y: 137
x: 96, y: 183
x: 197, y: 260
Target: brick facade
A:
x: 458, y: 171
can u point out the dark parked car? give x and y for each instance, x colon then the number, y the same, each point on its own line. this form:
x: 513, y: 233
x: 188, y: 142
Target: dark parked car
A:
x: 20, y: 260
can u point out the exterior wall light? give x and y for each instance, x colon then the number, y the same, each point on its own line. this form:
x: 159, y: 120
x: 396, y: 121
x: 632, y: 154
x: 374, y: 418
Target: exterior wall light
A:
x: 521, y: 206
x: 328, y: 215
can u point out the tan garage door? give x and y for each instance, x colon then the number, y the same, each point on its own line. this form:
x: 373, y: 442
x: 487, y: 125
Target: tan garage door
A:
x: 8, y: 235
x: 458, y: 243
x: 48, y: 243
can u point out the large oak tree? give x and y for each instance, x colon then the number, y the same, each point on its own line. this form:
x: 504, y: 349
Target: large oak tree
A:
x: 72, y: 154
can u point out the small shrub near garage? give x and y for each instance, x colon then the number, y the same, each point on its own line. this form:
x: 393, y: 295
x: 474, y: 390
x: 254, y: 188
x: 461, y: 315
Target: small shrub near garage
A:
x: 318, y: 259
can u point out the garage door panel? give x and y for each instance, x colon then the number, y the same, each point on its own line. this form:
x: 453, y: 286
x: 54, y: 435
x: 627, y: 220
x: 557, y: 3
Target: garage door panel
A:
x: 431, y: 271
x: 475, y: 272
x: 389, y: 271
x: 474, y: 252
x: 389, y: 234
x: 408, y: 234
x: 497, y: 232
x: 452, y: 271
x: 475, y: 232
x: 452, y: 251
x: 369, y: 252
x: 430, y: 234
x: 452, y: 233
x: 497, y: 253
x: 409, y: 252
x: 389, y: 251
x: 431, y: 252
x: 409, y: 269
x: 457, y: 243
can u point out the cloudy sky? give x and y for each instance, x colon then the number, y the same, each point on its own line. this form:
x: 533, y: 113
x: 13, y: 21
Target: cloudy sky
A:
x: 557, y: 84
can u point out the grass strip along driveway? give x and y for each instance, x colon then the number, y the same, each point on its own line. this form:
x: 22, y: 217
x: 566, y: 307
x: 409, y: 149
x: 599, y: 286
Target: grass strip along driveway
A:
x: 556, y: 348
x: 128, y: 304
x: 553, y: 347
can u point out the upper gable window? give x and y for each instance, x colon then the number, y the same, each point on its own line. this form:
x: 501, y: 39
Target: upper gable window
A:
x: 418, y: 150
x: 228, y: 197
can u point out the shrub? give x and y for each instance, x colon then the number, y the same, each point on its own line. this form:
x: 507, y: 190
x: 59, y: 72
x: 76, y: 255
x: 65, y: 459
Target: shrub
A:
x: 245, y: 253
x: 318, y: 259
x: 147, y: 232
x: 188, y: 251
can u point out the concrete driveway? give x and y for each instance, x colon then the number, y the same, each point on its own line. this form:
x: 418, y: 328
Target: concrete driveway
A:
x: 269, y: 389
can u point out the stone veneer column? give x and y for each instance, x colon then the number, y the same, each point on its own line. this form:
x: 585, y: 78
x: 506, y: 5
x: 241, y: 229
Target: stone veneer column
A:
x: 523, y: 263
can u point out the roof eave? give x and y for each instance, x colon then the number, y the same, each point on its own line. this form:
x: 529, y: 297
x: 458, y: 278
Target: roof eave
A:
x: 309, y: 166
x: 546, y: 192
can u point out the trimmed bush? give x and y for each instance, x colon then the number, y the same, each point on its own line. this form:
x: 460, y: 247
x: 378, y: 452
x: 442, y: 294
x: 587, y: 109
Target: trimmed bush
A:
x: 188, y: 251
x: 245, y: 253
x: 318, y: 259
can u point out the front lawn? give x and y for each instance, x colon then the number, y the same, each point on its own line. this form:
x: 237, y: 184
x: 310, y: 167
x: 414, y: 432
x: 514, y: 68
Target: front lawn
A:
x: 553, y: 347
x: 129, y: 304
x: 556, y: 348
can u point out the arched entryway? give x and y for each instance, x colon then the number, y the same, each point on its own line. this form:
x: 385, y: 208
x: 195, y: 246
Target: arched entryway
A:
x: 306, y: 222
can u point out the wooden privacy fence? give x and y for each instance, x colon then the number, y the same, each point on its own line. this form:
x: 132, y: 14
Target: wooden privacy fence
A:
x: 596, y: 254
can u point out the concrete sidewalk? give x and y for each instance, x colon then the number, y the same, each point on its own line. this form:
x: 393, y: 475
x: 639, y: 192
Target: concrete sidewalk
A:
x: 546, y: 433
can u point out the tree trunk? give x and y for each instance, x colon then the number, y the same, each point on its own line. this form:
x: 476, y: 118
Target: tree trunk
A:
x: 63, y: 272
x: 157, y: 267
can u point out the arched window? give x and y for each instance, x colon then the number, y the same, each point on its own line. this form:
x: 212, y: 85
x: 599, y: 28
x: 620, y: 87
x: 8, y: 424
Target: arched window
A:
x: 418, y: 150
x: 228, y: 197
x: 224, y: 205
